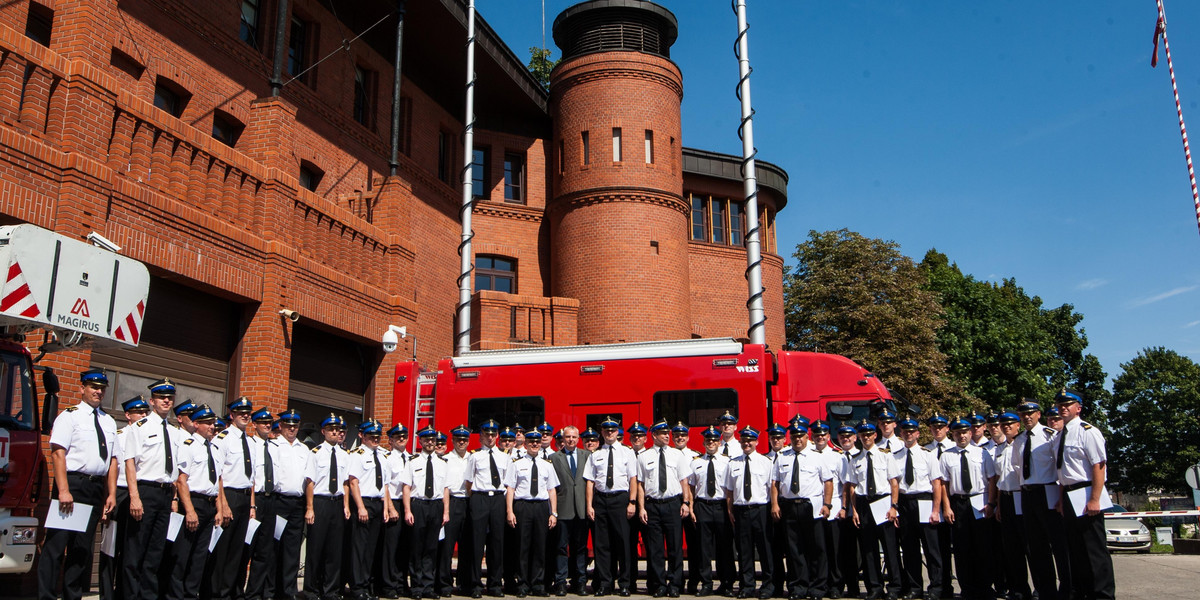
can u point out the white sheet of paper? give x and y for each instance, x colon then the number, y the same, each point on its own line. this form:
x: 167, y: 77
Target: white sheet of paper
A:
x: 924, y: 508
x: 1052, y: 492
x: 1080, y: 497
x: 442, y: 533
x: 978, y: 502
x: 108, y: 539
x: 879, y: 509
x: 76, y: 521
x: 833, y: 511
x: 216, y: 535
x: 817, y: 503
x: 251, y: 527
x: 173, y: 526
x: 280, y: 525
x: 1017, y: 503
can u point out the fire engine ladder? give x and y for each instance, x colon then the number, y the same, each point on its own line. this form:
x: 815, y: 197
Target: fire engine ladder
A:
x: 423, y: 407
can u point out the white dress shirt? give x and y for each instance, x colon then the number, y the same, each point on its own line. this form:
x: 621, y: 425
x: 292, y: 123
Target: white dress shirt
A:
x: 318, y: 469
x: 698, y: 478
x: 233, y: 465
x: 418, y: 472
x: 624, y: 467
x: 979, y: 466
x: 813, y: 473
x: 397, y: 463
x: 290, y: 464
x: 75, y: 431
x: 194, y: 455
x: 145, y: 444
x: 760, y: 479
x: 883, y: 466
x: 1084, y: 448
x: 1042, y: 459
x: 362, y: 468
x: 678, y: 469
x: 926, y: 468
x: 455, y: 467
x: 519, y: 478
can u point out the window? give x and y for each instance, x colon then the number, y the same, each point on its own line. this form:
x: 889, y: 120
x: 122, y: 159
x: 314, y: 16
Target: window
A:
x: 718, y: 221
x: 18, y: 402
x: 310, y: 176
x: 562, y: 157
x: 696, y: 408
x: 616, y: 144
x: 736, y: 226
x: 587, y: 149
x: 649, y: 147
x: 364, y: 96
x: 249, y: 28
x: 39, y: 23
x: 699, y: 219
x: 126, y: 64
x: 514, y: 178
x: 479, y: 172
x: 445, y: 158
x: 506, y: 411
x: 496, y: 273
x: 170, y: 97
x: 297, y: 47
x: 226, y: 129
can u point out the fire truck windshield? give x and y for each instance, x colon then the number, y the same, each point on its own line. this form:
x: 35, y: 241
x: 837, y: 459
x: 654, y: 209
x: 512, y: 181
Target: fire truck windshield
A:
x: 17, y: 402
x: 850, y: 411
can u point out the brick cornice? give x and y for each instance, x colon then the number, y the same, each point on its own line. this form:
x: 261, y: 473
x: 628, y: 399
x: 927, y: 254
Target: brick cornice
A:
x: 603, y: 195
x: 517, y: 212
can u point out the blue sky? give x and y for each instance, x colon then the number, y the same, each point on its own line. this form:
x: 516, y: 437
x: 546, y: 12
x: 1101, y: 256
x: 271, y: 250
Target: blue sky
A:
x: 1022, y: 139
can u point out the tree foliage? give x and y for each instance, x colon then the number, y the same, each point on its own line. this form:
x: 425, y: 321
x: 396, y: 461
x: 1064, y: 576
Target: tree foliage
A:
x: 861, y: 298
x: 541, y: 65
x: 1155, y: 418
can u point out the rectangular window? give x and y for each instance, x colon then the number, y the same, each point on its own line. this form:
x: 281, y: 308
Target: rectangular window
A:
x: 507, y: 411
x: 169, y: 97
x: 249, y: 28
x: 562, y: 157
x: 696, y: 408
x: 226, y: 129
x: 310, y: 176
x: 616, y: 144
x: 736, y: 225
x: 364, y: 96
x: 718, y: 221
x: 479, y: 172
x: 297, y: 47
x: 443, y: 166
x: 699, y: 224
x: 39, y: 23
x: 514, y: 178
x: 649, y: 147
x: 587, y: 148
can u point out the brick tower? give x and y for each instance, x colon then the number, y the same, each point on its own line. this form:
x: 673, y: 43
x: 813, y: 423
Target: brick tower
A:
x: 618, y: 219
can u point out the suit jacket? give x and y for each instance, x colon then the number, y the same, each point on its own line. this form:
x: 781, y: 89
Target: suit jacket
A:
x: 572, y: 494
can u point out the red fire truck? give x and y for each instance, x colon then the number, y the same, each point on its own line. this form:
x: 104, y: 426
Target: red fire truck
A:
x: 690, y: 381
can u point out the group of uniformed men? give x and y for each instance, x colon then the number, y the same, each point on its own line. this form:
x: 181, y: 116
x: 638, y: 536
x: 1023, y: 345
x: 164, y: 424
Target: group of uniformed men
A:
x: 819, y: 517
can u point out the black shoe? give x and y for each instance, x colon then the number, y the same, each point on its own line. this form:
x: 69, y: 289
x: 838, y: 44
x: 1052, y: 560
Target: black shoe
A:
x: 659, y: 593
x: 602, y: 591
x: 876, y: 595
x: 623, y: 592
x: 912, y: 596
x: 578, y: 589
x: 672, y: 592
x: 795, y: 596
x: 495, y: 593
x: 476, y: 594
x: 703, y: 591
x: 764, y: 595
x: 726, y: 591
x: 742, y: 595
x: 560, y: 589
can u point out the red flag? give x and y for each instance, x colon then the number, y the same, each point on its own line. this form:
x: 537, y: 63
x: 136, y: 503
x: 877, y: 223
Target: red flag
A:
x: 1158, y: 33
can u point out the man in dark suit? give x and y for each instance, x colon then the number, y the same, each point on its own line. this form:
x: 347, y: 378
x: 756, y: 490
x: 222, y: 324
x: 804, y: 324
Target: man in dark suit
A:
x: 572, y: 513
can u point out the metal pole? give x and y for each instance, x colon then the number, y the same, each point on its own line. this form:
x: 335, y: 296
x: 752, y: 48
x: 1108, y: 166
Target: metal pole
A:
x: 281, y: 27
x: 750, y: 184
x: 462, y: 342
x: 394, y: 161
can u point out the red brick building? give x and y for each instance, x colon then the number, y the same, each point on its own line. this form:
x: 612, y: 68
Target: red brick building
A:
x: 157, y: 124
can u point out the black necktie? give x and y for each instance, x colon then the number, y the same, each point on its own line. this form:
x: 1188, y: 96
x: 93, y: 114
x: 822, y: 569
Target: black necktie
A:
x: 268, y: 468
x: 1062, y: 445
x: 378, y: 471
x: 965, y: 466
x: 608, y: 479
x: 710, y: 487
x: 725, y: 449
x: 100, y: 439
x: 212, y: 468
x: 909, y: 477
x: 571, y: 461
x: 1027, y: 455
x: 246, y: 456
x: 796, y: 474
x: 167, y: 448
x: 662, y: 472
x: 870, y: 475
x: 533, y: 479
x: 939, y: 445
x: 495, y: 471
x: 333, y: 476
x: 746, y: 491
x: 429, y: 476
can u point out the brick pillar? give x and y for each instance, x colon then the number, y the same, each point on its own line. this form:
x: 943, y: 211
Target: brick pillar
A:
x: 12, y: 73
x: 85, y: 30
x: 269, y: 135
x: 264, y: 355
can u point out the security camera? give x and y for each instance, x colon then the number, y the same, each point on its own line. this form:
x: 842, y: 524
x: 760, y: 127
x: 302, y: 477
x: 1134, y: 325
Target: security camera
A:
x: 102, y: 242
x: 391, y: 337
x: 290, y: 315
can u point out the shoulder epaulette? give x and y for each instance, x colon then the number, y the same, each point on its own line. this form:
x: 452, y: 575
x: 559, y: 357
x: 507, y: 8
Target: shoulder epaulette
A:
x: 121, y: 431
x: 1050, y: 432
x: 517, y: 458
x: 886, y: 450
x: 72, y: 409
x: 221, y: 436
x: 1086, y: 425
x: 188, y: 441
x: 316, y: 450
x: 359, y: 450
x: 926, y: 449
x: 142, y: 421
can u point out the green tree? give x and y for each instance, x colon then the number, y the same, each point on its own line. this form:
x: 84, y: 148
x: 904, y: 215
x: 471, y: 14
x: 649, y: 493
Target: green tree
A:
x: 861, y: 298
x: 541, y: 65
x: 1155, y: 412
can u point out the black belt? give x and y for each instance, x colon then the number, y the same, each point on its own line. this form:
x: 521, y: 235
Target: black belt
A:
x: 966, y: 497
x: 748, y: 506
x: 1006, y: 493
x: 488, y: 493
x: 200, y: 496
x: 529, y: 500
x: 242, y: 491
x: 320, y: 497
x: 165, y: 486
x: 91, y: 478
x: 873, y: 498
x: 426, y: 499
x: 917, y: 496
x: 1029, y: 487
x: 459, y: 498
x: 372, y: 499
x: 796, y: 500
x: 1076, y: 486
x: 611, y: 494
x: 663, y: 500
x: 709, y: 501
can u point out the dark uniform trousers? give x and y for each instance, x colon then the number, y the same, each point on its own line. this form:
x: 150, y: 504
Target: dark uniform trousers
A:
x: 664, y: 531
x: 456, y: 535
x: 637, y: 533
x: 287, y: 547
x: 367, y: 537
x: 229, y: 557
x: 110, y: 566
x: 397, y: 537
x: 191, y: 550
x: 1091, y: 565
x: 750, y: 525
x: 427, y: 522
x: 870, y: 537
x: 804, y: 540
x: 914, y: 534
x: 146, y: 542
x: 1046, y: 540
x: 847, y: 553
x: 611, y: 543
x: 1012, y: 533
x: 77, y: 546
x: 488, y: 513
x: 263, y: 558
x: 533, y: 522
x: 572, y: 552
x: 691, y: 539
x: 716, y: 542
x: 970, y: 550
x: 323, y: 561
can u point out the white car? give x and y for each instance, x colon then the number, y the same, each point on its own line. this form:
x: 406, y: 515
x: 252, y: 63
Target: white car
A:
x: 1126, y: 533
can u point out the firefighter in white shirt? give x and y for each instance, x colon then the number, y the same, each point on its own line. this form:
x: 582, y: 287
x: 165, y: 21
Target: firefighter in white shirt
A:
x: 611, y: 472
x: 747, y: 488
x: 709, y: 512
x: 457, y: 533
x: 1045, y: 536
x: 484, y: 481
x: 199, y: 487
x: 111, y: 572
x: 532, y: 510
x: 727, y: 423
x: 663, y: 499
x: 919, y: 467
x: 426, y: 509
x: 1004, y: 491
x: 965, y: 469
x: 237, y: 479
x: 290, y: 464
x: 888, y: 440
x: 939, y: 426
x: 397, y: 535
x: 326, y: 511
x: 802, y: 479
x: 777, y: 436
x: 263, y: 568
x: 830, y: 527
x: 680, y: 434
x: 872, y: 477
x: 371, y: 505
